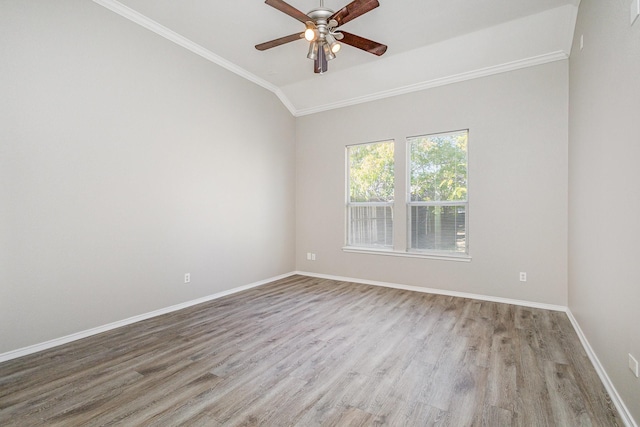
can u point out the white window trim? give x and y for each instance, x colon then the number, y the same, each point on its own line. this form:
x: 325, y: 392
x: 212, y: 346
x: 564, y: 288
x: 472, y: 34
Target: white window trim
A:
x: 349, y: 204
x: 442, y: 256
x: 429, y: 253
x: 407, y: 252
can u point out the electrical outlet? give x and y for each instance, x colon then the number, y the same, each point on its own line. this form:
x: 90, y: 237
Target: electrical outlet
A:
x: 187, y: 277
x: 313, y: 257
x: 523, y: 277
x: 633, y: 365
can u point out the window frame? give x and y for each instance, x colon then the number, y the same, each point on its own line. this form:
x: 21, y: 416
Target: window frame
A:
x: 401, y: 207
x: 438, y: 203
x: 349, y: 204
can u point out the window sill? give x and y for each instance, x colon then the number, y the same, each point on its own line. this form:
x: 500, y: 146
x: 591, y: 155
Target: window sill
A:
x: 404, y: 254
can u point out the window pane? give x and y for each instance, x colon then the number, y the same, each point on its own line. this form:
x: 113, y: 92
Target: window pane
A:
x: 371, y: 172
x: 439, y: 167
x: 370, y: 226
x: 441, y: 228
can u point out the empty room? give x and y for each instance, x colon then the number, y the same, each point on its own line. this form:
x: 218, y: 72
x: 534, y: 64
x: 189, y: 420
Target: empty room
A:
x: 376, y: 212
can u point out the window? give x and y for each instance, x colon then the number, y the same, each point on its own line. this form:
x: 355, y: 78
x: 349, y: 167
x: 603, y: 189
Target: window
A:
x: 438, y: 204
x: 424, y: 215
x: 370, y: 195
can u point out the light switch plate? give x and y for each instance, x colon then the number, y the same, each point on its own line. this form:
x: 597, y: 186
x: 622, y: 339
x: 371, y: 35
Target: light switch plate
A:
x: 633, y: 365
x: 635, y: 10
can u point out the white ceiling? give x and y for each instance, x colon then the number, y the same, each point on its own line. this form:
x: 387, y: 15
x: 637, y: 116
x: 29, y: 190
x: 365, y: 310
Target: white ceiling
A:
x: 431, y: 42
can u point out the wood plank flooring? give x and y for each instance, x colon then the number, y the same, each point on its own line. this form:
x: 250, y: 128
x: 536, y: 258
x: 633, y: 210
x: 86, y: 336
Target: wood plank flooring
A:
x: 305, y: 351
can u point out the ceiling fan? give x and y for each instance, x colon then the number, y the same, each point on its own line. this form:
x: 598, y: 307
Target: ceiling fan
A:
x: 322, y: 31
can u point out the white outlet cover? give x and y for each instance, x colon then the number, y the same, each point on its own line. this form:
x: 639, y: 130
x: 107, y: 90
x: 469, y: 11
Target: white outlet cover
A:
x: 635, y: 10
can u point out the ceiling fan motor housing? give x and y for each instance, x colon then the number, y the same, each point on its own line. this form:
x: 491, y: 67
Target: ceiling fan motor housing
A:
x: 320, y: 17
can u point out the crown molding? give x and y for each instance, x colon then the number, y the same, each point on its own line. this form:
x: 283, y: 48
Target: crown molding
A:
x: 456, y: 78
x: 138, y: 18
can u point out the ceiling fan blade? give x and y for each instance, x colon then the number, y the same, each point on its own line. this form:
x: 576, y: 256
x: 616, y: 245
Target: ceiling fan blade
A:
x: 320, y: 63
x: 353, y: 10
x: 364, y: 44
x: 280, y: 41
x: 289, y: 10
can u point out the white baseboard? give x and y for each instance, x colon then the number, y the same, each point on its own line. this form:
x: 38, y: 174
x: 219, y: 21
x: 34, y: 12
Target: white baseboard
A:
x: 531, y: 304
x: 94, y: 331
x: 613, y: 393
x: 606, y: 381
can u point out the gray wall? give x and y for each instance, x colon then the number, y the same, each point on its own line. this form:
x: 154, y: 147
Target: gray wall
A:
x: 518, y: 132
x: 604, y: 201
x: 125, y: 162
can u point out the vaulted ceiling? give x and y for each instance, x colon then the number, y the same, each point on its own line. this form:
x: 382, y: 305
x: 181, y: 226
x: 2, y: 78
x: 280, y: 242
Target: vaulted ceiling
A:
x: 431, y: 43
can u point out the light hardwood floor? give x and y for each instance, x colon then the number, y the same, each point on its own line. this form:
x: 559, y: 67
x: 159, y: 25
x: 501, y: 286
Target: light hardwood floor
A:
x: 306, y: 351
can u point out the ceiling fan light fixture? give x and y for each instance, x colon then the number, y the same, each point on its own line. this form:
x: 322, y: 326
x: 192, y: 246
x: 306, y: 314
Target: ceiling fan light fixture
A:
x: 313, y: 51
x: 310, y: 34
x: 328, y: 52
x: 333, y: 44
